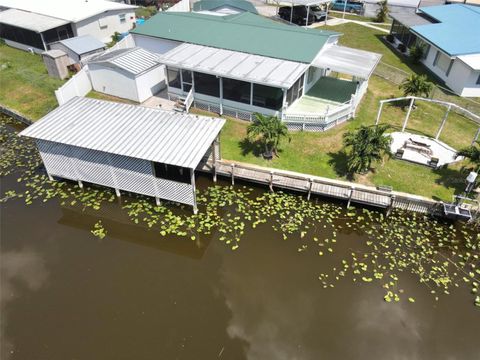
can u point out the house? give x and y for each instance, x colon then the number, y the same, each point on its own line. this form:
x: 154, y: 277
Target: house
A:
x: 79, y: 48
x: 244, y: 63
x: 450, y: 35
x: 126, y: 147
x: 223, y: 7
x: 133, y: 74
x: 34, y: 25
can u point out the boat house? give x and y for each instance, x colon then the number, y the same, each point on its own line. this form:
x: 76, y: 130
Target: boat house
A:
x: 244, y: 63
x: 131, y: 148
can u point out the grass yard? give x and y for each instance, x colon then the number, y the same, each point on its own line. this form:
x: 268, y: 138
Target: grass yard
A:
x: 25, y: 84
x: 100, y: 96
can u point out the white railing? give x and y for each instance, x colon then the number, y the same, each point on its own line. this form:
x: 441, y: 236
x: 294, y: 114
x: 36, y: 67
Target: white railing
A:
x: 78, y: 85
x: 326, y: 118
x: 189, y: 100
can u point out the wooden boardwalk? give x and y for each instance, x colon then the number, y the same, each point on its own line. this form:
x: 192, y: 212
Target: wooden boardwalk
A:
x: 337, y: 189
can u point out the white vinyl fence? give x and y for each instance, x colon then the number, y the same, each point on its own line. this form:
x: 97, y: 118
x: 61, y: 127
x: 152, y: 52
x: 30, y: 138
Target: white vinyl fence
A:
x: 182, y: 6
x: 78, y: 85
x: 126, y: 43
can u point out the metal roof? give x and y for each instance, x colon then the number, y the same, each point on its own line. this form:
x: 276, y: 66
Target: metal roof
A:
x: 409, y: 17
x: 235, y: 65
x: 207, y: 5
x: 472, y: 60
x: 129, y: 130
x: 457, y: 30
x: 244, y: 32
x: 71, y: 10
x: 54, y: 53
x: 346, y: 60
x: 30, y: 21
x: 82, y: 44
x: 133, y: 60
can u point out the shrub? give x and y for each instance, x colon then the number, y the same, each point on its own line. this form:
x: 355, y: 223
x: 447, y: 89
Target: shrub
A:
x: 402, y: 47
x: 416, y: 53
x: 390, y: 38
x: 382, y: 12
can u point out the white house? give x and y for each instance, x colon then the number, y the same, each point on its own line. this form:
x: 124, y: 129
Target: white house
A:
x: 133, y: 74
x: 244, y: 63
x: 33, y: 24
x: 450, y: 35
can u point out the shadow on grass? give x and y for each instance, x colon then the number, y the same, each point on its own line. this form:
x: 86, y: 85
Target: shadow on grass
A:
x: 451, y: 178
x: 338, y: 161
x: 248, y: 146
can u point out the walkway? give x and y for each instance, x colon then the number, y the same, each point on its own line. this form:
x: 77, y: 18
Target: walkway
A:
x: 338, y: 21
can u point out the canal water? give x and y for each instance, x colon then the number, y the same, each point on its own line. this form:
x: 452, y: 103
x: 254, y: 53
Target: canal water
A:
x: 134, y: 294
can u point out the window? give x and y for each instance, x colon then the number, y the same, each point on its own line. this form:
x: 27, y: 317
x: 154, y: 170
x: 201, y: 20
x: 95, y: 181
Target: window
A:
x: 236, y: 90
x: 206, y: 84
x: 173, y: 77
x: 267, y: 97
x: 443, y: 62
x: 122, y: 18
x: 478, y: 80
x: 172, y: 172
x: 186, y: 80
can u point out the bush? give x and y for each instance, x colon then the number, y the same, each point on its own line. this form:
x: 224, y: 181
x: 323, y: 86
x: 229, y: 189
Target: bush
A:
x: 390, y: 38
x: 416, y: 53
x: 402, y: 47
x: 382, y: 12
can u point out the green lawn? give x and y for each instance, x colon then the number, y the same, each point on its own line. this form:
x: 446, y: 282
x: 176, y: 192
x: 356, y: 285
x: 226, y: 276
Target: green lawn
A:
x: 24, y: 83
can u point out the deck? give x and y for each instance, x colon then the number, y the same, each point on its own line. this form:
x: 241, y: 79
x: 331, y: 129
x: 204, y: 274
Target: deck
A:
x: 327, y: 93
x: 337, y: 189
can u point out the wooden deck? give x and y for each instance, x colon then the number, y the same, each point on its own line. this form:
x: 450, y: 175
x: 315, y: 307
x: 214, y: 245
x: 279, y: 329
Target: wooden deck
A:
x: 342, y: 190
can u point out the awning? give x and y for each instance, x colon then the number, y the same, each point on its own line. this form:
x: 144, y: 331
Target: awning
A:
x: 30, y: 21
x: 235, y: 65
x: 346, y: 60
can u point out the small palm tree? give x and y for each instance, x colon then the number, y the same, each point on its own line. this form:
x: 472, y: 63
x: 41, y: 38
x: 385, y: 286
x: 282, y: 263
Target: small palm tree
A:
x: 472, y: 153
x: 366, y: 145
x: 382, y: 12
x: 416, y: 85
x: 269, y: 130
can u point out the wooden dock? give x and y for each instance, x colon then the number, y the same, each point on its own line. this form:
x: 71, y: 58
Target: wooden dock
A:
x: 337, y: 189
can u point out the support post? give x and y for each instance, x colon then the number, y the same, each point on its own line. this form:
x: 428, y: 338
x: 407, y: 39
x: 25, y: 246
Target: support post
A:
x: 80, y: 184
x: 43, y: 42
x: 233, y: 174
x: 220, y: 79
x: 379, y: 113
x: 390, y: 207
x: 117, y: 192
x: 291, y: 13
x: 326, y: 14
x: 50, y: 177
x: 157, y: 201
x: 444, y: 120
x: 270, y: 185
x: 412, y: 101
x: 214, y: 160
x: 310, y: 185
x: 306, y: 21
x: 192, y: 179
x: 352, y: 189
x: 475, y: 138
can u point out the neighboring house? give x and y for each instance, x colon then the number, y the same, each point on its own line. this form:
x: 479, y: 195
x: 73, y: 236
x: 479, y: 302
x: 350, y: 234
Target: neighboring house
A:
x: 126, y: 147
x: 244, y: 63
x: 451, y: 38
x: 223, y: 7
x: 34, y: 24
x: 371, y: 7
x: 79, y: 47
x: 133, y: 74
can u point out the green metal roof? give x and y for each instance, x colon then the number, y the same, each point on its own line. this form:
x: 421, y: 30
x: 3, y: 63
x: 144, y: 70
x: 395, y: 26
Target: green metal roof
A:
x: 243, y: 32
x: 207, y: 5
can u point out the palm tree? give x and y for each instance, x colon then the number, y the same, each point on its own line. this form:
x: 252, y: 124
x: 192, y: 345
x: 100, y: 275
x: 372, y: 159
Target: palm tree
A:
x: 366, y: 145
x: 269, y: 130
x: 416, y: 85
x: 382, y: 12
x: 472, y: 153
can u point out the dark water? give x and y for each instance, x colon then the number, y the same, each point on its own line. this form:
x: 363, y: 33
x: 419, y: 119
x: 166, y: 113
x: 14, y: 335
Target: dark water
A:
x: 135, y: 295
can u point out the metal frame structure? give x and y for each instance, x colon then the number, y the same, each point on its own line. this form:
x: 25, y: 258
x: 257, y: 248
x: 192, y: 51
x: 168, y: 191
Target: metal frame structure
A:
x: 448, y: 105
x: 308, y: 3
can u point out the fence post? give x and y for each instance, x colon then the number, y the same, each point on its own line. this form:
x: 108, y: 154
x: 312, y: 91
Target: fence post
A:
x: 271, y: 181
x: 444, y: 120
x: 352, y: 189
x: 310, y: 185
x: 412, y: 101
x: 379, y: 113
x: 233, y: 175
x: 392, y: 201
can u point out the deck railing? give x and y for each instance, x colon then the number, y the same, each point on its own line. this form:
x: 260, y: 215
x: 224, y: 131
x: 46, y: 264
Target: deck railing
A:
x: 189, y: 100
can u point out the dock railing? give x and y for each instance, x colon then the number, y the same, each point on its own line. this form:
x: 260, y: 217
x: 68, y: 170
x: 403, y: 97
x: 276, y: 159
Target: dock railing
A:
x: 337, y: 189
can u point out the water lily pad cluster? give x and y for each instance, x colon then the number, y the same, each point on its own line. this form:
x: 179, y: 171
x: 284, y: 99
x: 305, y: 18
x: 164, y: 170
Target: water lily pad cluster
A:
x: 441, y: 256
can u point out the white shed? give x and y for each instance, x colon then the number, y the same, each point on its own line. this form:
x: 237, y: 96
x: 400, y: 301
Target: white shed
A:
x: 133, y: 74
x: 79, y: 47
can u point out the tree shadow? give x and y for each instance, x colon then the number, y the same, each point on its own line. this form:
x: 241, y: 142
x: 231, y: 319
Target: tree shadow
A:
x: 452, y: 178
x: 338, y: 161
x: 248, y: 146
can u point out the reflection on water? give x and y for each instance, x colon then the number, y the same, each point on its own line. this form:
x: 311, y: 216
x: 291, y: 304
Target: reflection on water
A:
x: 22, y: 271
x: 136, y: 295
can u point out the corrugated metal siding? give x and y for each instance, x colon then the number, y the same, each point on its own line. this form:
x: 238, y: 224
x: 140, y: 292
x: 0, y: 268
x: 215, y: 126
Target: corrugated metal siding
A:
x: 133, y: 60
x: 115, y: 171
x: 128, y: 130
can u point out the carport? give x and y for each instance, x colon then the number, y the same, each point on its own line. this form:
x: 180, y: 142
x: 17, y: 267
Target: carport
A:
x: 308, y: 4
